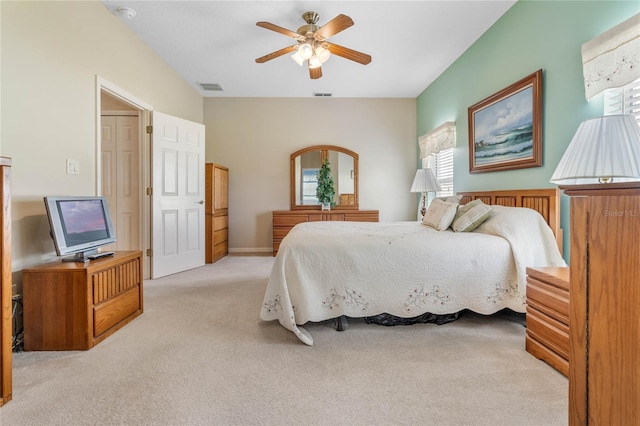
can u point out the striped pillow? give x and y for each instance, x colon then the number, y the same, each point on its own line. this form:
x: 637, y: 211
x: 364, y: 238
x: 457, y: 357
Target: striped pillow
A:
x: 470, y: 216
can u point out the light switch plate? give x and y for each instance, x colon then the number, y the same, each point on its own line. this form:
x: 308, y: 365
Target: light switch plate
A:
x: 73, y: 167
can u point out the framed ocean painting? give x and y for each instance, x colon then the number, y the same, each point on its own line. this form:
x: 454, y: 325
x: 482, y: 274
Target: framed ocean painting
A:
x: 505, y: 129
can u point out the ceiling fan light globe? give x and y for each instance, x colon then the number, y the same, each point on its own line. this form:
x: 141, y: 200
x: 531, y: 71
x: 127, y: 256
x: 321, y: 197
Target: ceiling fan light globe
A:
x: 298, y: 58
x: 305, y: 50
x: 323, y: 54
x: 314, y: 62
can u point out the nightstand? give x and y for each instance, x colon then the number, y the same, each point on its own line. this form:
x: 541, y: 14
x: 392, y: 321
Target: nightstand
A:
x: 547, y: 336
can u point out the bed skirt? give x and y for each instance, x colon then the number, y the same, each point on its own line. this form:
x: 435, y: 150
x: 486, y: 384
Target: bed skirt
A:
x: 391, y: 320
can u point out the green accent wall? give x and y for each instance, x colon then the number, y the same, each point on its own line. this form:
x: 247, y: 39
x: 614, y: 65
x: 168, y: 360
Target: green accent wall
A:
x: 531, y: 35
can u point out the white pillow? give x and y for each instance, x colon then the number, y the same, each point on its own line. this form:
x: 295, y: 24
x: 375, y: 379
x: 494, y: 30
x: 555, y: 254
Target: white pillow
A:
x: 470, y: 216
x: 440, y: 214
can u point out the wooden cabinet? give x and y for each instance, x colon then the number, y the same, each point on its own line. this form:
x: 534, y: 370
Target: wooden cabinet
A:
x: 74, y: 306
x: 604, y: 356
x: 547, y: 336
x: 284, y: 220
x: 6, y: 290
x: 216, y: 212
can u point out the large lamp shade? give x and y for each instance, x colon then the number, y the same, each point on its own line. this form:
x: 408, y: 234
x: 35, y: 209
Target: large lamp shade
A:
x: 603, y: 149
x: 425, y: 181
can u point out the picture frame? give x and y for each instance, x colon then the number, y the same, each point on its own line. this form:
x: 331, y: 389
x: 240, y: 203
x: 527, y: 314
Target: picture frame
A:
x: 505, y: 129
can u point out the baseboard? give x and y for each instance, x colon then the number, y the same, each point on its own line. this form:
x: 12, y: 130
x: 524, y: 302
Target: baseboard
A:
x: 266, y: 251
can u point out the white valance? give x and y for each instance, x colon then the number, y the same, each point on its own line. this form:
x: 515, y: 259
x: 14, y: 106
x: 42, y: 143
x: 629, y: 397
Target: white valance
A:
x: 440, y: 138
x: 613, y: 58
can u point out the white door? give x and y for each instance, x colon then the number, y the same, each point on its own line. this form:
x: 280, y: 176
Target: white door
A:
x: 121, y: 178
x: 178, y: 195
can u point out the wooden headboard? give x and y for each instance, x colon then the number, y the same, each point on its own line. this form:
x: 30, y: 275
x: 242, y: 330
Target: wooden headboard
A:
x: 545, y: 201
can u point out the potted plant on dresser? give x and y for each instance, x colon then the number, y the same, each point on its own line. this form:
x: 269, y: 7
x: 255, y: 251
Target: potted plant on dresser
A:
x: 324, y: 190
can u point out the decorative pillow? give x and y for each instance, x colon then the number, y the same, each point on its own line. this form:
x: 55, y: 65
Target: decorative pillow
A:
x: 470, y: 216
x: 440, y: 214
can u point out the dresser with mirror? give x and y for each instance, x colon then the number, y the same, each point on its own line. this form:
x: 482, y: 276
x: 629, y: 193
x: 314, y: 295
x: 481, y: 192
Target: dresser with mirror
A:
x: 304, y: 166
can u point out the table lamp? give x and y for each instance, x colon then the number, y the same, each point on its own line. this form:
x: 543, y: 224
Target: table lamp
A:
x: 603, y: 150
x: 425, y: 181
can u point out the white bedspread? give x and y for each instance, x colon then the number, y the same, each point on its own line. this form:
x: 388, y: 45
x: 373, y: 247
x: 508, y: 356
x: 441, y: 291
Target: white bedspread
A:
x: 358, y: 269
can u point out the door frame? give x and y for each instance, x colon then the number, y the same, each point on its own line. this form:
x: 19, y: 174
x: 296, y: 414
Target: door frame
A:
x: 144, y: 117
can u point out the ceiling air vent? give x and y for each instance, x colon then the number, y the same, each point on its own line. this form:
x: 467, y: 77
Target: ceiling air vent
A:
x: 211, y: 87
x: 321, y: 95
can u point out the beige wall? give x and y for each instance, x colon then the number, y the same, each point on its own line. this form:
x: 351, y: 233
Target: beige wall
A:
x: 255, y: 136
x: 51, y: 55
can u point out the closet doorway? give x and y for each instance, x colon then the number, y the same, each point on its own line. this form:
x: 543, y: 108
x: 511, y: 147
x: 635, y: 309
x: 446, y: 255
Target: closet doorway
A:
x: 121, y: 176
x: 123, y: 165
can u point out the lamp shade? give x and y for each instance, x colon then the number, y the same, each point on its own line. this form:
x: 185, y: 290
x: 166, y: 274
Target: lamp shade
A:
x: 305, y: 50
x: 603, y: 149
x: 425, y: 181
x: 298, y: 58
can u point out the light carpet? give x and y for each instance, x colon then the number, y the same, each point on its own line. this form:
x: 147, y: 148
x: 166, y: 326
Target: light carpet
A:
x: 200, y: 355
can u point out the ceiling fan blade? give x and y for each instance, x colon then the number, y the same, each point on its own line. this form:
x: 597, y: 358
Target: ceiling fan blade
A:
x: 276, y: 54
x: 315, y: 73
x: 278, y: 29
x: 350, y: 54
x: 334, y: 26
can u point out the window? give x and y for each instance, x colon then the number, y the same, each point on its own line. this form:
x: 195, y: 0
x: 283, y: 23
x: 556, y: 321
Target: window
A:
x: 442, y: 165
x: 623, y: 100
x: 436, y: 152
x: 309, y: 186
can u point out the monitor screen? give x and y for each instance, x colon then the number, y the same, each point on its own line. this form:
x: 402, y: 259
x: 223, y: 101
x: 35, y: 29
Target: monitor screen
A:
x: 79, y: 225
x: 83, y: 221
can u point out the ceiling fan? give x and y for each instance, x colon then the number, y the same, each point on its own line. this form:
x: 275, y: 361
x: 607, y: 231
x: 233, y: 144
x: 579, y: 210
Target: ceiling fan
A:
x: 313, y: 47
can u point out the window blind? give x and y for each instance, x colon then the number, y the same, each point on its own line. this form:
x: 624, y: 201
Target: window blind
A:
x: 623, y: 100
x: 442, y: 165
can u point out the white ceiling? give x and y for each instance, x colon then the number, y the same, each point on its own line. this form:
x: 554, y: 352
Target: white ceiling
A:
x: 411, y: 43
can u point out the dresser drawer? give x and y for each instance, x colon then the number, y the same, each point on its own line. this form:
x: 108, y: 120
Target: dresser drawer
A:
x: 220, y: 222
x: 542, y: 352
x: 289, y: 220
x: 107, y: 314
x: 220, y: 236
x: 551, y: 300
x: 220, y: 250
x: 547, y: 336
x: 363, y: 217
x: 548, y: 331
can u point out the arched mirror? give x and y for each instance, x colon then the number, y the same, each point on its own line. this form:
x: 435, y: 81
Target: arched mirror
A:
x: 304, y: 172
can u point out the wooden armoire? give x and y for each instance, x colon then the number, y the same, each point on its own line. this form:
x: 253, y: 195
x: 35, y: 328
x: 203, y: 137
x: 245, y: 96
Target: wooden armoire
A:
x: 604, y: 334
x: 216, y: 212
x: 6, y: 290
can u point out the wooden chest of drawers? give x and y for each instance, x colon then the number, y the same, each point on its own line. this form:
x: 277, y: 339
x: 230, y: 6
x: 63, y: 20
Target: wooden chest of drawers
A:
x: 216, y: 212
x: 547, y: 336
x: 71, y: 306
x: 284, y: 220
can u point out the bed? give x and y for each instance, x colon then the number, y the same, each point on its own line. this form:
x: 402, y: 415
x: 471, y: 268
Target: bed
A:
x: 327, y: 270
